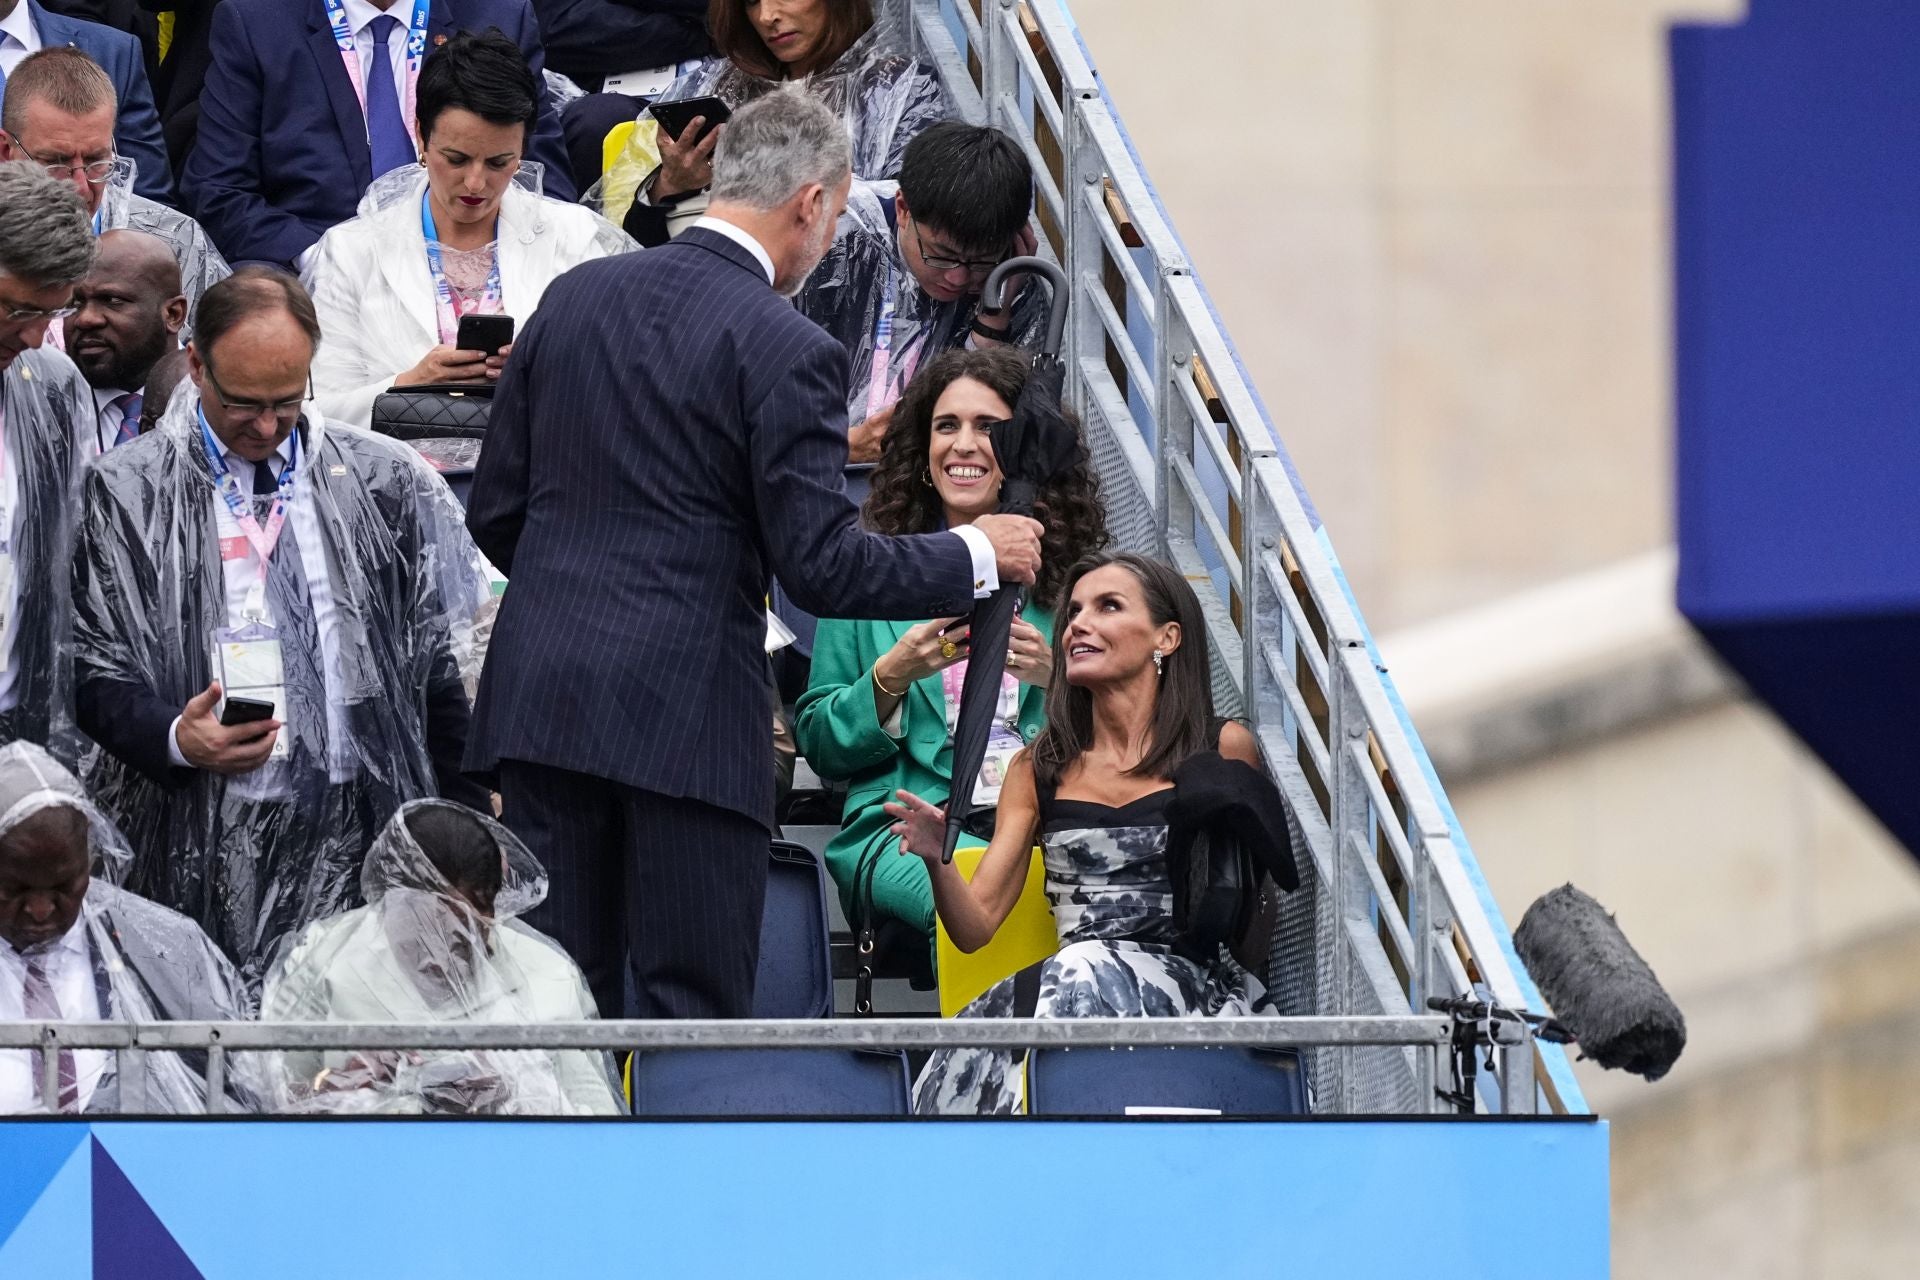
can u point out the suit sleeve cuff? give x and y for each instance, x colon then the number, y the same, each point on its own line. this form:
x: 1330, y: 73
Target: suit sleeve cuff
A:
x: 173, y: 746
x: 986, y: 574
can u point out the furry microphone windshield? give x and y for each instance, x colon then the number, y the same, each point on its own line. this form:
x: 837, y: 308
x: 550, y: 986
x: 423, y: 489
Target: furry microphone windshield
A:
x: 1598, y: 985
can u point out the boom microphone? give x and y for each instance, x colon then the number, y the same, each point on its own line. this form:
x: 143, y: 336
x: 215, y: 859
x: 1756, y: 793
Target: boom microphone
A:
x: 1599, y: 987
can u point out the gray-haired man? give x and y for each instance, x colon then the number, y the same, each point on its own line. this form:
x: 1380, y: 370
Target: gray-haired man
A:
x: 46, y: 246
x: 624, y: 702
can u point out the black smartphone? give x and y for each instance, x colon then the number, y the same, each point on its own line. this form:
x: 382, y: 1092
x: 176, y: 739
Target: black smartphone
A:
x: 674, y: 117
x: 484, y: 333
x: 245, y: 711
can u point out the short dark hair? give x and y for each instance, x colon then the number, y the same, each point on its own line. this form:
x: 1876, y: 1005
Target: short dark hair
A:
x: 735, y: 39
x: 62, y: 77
x: 460, y: 848
x: 485, y: 74
x: 970, y: 182
x: 249, y: 292
x: 1183, y: 707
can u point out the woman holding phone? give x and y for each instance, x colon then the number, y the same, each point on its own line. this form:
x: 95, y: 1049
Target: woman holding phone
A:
x: 835, y: 50
x: 879, y: 709
x: 465, y: 234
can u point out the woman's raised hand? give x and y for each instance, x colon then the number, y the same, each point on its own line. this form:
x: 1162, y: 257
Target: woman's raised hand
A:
x: 925, y: 648
x: 445, y: 364
x: 686, y: 166
x: 1029, y: 657
x: 922, y: 827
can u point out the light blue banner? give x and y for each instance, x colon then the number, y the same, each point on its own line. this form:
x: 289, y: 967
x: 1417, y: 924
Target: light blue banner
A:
x: 1155, y: 1198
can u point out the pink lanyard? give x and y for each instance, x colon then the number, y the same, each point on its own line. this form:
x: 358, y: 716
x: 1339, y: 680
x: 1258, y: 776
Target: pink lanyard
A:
x: 261, y: 540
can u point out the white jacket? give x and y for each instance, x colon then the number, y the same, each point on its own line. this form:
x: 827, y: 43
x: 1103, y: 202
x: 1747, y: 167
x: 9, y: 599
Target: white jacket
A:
x: 375, y: 298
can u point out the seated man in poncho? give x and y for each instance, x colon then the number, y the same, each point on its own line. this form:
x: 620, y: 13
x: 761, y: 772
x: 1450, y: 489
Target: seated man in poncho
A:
x: 74, y: 948
x: 437, y: 942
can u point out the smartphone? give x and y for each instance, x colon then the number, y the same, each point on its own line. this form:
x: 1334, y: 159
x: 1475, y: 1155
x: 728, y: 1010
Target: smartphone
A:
x: 674, y: 117
x: 484, y: 333
x: 245, y: 711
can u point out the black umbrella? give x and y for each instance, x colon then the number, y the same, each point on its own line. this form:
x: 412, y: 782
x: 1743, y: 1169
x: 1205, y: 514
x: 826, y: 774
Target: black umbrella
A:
x: 1031, y: 448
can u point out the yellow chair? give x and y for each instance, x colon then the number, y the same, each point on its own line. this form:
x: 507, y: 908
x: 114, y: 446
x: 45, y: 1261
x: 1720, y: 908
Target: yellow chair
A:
x: 628, y: 155
x: 1026, y: 936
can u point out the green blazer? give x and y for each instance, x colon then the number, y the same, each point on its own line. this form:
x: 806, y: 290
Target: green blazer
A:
x: 842, y: 739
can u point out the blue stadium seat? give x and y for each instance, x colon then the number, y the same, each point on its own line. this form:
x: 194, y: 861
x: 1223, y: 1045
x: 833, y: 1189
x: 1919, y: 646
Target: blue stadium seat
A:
x: 770, y: 1082
x: 1105, y: 1082
x: 795, y: 978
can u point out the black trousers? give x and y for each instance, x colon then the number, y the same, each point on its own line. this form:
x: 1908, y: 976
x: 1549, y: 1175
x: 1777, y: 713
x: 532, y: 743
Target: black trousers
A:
x: 665, y: 890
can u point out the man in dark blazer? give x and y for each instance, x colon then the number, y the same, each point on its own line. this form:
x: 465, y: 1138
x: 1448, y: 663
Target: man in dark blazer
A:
x: 638, y: 508
x: 136, y: 129
x: 282, y: 153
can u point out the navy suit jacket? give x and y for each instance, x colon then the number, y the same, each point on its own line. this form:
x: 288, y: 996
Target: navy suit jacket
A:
x: 136, y: 130
x: 589, y: 40
x: 668, y: 433
x: 282, y: 151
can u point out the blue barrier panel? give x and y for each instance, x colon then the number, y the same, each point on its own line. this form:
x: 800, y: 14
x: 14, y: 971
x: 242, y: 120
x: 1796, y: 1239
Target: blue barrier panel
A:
x: 1797, y: 293
x: 1159, y: 1198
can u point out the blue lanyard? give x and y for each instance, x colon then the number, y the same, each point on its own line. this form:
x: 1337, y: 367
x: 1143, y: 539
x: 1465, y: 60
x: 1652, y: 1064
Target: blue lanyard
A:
x: 416, y: 50
x: 262, y: 540
x: 491, y: 298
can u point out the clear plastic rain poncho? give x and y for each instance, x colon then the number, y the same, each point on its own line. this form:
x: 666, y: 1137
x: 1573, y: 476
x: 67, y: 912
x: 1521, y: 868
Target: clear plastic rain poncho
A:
x: 438, y: 942
x: 49, y: 409
x: 375, y: 297
x: 148, y: 964
x: 256, y: 856
x: 201, y: 266
x: 885, y: 96
x: 864, y: 276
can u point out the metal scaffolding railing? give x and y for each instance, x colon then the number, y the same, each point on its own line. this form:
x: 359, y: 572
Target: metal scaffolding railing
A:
x: 1394, y: 911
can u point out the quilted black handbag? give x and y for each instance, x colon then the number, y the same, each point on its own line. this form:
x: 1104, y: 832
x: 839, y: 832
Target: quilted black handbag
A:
x: 434, y: 411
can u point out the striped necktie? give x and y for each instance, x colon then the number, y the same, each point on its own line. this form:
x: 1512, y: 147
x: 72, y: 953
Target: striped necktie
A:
x: 41, y: 1005
x: 129, y: 407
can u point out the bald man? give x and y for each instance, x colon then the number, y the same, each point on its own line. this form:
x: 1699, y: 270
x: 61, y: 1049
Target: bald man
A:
x: 128, y: 314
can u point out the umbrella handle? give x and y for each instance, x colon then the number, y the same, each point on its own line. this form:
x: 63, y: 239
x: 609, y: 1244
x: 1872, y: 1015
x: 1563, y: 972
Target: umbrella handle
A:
x: 991, y: 302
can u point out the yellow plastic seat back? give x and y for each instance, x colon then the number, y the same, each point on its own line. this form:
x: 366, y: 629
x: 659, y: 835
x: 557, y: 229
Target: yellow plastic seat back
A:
x: 1026, y: 936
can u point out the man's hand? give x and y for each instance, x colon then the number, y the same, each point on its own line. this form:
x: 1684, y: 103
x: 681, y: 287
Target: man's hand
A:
x: 1025, y: 245
x: 1016, y: 545
x: 865, y: 438
x: 208, y: 744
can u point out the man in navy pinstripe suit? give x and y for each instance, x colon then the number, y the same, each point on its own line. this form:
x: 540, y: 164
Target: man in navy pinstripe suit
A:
x: 668, y: 431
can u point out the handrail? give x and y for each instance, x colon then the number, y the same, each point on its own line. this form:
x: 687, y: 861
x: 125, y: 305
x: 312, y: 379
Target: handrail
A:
x: 1193, y: 472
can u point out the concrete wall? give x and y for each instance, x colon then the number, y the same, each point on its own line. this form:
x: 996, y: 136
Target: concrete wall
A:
x: 1437, y: 230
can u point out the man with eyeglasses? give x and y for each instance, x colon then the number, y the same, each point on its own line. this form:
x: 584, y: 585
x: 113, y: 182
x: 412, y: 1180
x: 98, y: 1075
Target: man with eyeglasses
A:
x: 58, y: 112
x: 128, y: 313
x: 268, y: 608
x: 902, y: 281
x: 45, y: 248
x: 26, y: 27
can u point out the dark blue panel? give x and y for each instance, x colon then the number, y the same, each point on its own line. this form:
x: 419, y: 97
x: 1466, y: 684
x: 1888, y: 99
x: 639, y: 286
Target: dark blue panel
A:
x: 129, y: 1241
x: 1797, y: 216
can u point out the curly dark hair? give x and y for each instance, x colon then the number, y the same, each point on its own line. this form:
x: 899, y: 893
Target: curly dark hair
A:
x: 903, y: 501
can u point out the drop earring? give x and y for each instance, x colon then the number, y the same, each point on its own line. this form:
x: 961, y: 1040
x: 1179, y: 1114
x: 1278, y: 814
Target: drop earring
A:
x: 1159, y: 663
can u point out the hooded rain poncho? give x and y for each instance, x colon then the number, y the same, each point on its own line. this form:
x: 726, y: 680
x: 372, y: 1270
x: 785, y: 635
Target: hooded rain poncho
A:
x: 420, y: 951
x: 149, y: 965
x: 259, y: 855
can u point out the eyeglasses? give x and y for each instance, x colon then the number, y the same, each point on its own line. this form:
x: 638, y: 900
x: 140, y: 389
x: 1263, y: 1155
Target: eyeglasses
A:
x: 974, y: 267
x: 97, y: 172
x: 34, y: 315
x: 242, y: 410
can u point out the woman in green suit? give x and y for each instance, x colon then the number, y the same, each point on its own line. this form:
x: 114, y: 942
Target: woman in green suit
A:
x: 878, y: 712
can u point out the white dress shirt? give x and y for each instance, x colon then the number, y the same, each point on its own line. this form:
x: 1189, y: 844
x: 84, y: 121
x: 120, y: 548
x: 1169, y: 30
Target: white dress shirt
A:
x: 17, y: 38
x: 106, y: 427
x: 240, y: 569
x: 986, y: 572
x: 360, y: 16
x: 69, y: 968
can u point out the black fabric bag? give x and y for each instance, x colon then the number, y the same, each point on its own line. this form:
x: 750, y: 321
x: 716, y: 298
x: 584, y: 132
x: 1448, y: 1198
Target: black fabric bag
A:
x: 1227, y: 832
x: 434, y: 411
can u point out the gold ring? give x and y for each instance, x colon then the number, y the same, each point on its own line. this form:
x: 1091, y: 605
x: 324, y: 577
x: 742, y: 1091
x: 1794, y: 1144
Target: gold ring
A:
x: 949, y: 650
